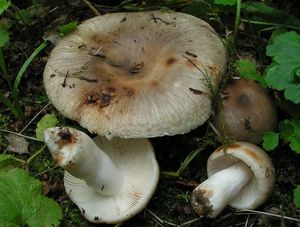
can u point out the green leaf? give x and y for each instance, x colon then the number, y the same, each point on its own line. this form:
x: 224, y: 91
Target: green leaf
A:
x: 197, y: 9
x: 260, y: 12
x: 26, y: 65
x: 23, y: 16
x: 10, y: 105
x: 4, y: 157
x: 290, y: 132
x: 225, y: 2
x: 282, y: 74
x: 48, y: 121
x: 4, y: 37
x: 247, y: 69
x: 23, y: 204
x: 297, y: 197
x: 270, y: 141
x: 4, y: 4
x: 67, y: 28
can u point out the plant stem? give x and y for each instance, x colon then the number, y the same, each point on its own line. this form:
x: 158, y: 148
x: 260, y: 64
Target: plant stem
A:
x: 45, y: 171
x: 237, y: 19
x: 18, y: 160
x: 270, y: 24
x: 185, y: 163
x: 21, y: 73
x: 21, y: 135
x: 92, y: 8
x: 10, y: 106
x: 34, y: 155
x: 4, y: 68
x: 46, y: 106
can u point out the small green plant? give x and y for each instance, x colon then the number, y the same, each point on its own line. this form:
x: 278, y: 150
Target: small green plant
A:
x: 237, y: 21
x: 289, y: 131
x: 14, y: 106
x: 297, y: 197
x: 270, y: 140
x: 67, y: 28
x: 259, y: 13
x: 22, y: 202
x: 47, y: 121
x: 247, y: 69
x: 284, y: 72
x: 4, y: 4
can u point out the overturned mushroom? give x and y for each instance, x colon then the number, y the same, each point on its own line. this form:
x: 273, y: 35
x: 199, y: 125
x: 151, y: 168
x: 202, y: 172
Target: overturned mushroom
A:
x: 110, y: 181
x: 245, y: 112
x: 240, y: 175
x: 136, y: 75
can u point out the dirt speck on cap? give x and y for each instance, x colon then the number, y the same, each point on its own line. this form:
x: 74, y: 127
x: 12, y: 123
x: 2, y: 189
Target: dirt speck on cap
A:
x: 170, y: 61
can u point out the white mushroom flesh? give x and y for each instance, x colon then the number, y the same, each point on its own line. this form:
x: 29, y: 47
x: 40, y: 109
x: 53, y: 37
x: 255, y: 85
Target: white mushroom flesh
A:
x: 240, y: 175
x: 215, y: 193
x: 83, y: 159
x: 110, y: 181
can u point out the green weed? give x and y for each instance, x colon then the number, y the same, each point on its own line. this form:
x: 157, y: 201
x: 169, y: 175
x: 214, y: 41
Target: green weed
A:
x: 15, y: 105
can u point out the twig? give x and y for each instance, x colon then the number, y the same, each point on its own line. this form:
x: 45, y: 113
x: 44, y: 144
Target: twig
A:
x: 269, y: 214
x: 215, y: 129
x: 246, y: 223
x: 159, y: 220
x: 45, y: 171
x: 46, y: 106
x: 190, y: 222
x: 92, y: 8
x: 21, y: 135
x: 156, y: 218
x: 17, y: 159
x: 34, y: 155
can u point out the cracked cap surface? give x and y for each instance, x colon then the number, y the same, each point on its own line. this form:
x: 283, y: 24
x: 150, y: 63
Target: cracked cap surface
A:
x: 136, y: 74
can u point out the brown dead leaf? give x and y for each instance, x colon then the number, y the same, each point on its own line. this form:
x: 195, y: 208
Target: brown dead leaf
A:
x: 17, y: 144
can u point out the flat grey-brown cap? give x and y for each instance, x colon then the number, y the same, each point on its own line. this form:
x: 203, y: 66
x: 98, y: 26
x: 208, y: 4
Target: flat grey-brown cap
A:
x: 140, y: 74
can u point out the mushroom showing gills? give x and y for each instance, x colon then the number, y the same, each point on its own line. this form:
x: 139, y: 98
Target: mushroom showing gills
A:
x: 246, y: 111
x: 240, y: 175
x: 154, y: 70
x: 110, y: 181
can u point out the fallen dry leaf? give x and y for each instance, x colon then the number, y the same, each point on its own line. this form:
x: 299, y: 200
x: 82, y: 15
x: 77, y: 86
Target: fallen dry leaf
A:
x: 17, y: 144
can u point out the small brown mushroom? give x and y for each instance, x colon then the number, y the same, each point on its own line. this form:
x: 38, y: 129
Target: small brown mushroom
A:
x: 245, y: 112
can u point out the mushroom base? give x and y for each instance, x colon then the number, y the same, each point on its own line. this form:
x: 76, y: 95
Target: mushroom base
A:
x: 214, y: 194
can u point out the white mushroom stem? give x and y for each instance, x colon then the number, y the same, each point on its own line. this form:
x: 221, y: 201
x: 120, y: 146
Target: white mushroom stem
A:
x: 214, y: 194
x: 81, y: 157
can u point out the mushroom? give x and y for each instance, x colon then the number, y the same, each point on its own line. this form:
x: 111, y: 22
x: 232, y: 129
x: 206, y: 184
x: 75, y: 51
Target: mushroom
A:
x: 245, y: 112
x: 110, y: 181
x: 240, y: 175
x: 137, y: 75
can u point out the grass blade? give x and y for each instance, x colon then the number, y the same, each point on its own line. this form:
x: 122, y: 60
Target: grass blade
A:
x: 185, y: 163
x: 19, y: 77
x: 188, y: 159
x: 4, y: 68
x: 25, y: 66
x: 7, y: 103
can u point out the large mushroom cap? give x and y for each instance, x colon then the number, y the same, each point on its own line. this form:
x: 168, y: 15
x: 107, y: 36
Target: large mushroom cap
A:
x: 135, y: 159
x: 141, y: 74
